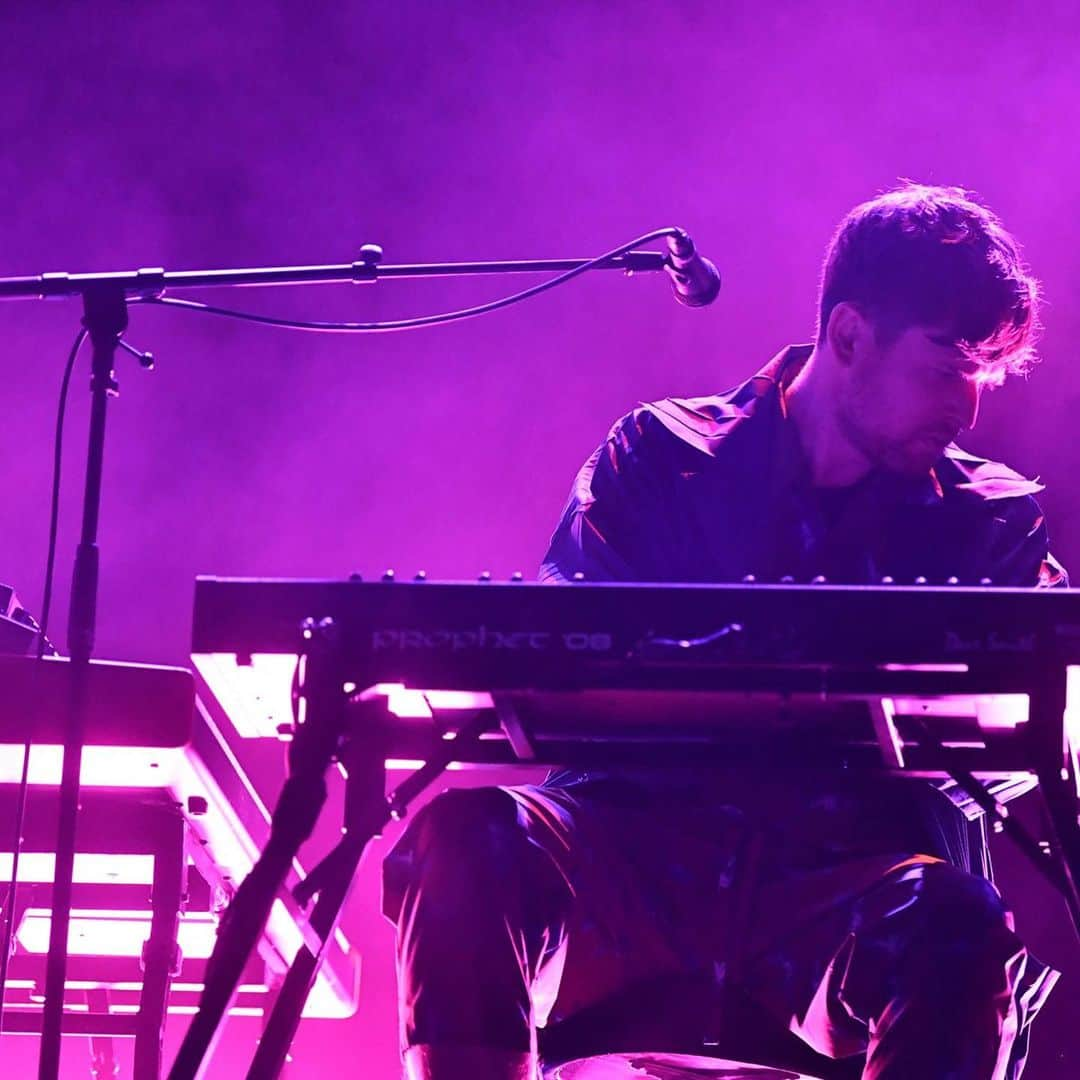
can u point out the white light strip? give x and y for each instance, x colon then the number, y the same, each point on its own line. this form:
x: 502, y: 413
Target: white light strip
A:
x: 115, y: 933
x: 395, y: 764
x: 102, y: 766
x: 1072, y: 720
x: 923, y: 667
x: 90, y: 869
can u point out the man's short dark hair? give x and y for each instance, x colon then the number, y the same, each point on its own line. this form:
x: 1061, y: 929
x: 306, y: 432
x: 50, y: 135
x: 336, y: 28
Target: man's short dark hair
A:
x: 934, y: 256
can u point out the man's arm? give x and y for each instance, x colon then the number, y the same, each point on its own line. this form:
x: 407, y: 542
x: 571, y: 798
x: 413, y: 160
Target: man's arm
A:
x: 1021, y: 554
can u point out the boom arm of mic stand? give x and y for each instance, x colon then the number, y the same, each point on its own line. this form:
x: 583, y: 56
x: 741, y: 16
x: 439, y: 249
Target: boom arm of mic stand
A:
x: 145, y: 283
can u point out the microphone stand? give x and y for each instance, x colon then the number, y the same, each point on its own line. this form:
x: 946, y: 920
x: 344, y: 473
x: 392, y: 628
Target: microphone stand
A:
x: 105, y: 317
x: 105, y: 298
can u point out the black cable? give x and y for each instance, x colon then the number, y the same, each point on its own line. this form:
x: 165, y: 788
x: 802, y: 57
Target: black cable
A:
x: 16, y: 846
x: 54, y: 509
x: 406, y: 324
x: 43, y: 644
x: 20, y: 812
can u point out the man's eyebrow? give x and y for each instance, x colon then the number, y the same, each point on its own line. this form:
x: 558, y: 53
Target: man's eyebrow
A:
x: 962, y: 360
x: 948, y: 341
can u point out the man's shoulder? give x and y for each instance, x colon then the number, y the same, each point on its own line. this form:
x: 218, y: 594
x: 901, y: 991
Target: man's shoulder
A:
x: 705, y: 424
x: 1005, y: 500
x: 702, y: 424
x: 970, y: 476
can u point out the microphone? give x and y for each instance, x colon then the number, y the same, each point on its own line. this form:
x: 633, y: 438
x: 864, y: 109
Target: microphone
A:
x: 695, y: 280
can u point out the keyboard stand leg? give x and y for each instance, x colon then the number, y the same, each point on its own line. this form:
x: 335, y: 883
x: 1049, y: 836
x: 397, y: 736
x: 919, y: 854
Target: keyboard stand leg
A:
x: 316, y: 744
x: 367, y: 812
x: 160, y: 952
x: 103, y: 1063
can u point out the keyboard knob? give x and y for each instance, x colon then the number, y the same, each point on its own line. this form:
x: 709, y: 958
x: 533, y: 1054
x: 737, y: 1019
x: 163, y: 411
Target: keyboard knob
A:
x: 819, y: 579
x: 985, y: 581
x: 787, y: 579
x: 517, y: 575
x: 920, y: 580
x: 579, y: 576
x: 888, y: 580
x: 421, y: 575
x: 485, y: 575
x: 952, y: 581
x: 388, y: 575
x: 749, y: 579
x: 354, y: 576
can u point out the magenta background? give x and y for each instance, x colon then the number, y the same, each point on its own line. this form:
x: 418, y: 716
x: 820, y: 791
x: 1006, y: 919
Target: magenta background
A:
x: 201, y: 135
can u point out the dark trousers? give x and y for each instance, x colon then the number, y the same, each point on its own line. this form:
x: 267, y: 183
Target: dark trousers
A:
x: 613, y: 927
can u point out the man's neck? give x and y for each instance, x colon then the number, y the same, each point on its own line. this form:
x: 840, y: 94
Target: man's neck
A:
x: 811, y: 404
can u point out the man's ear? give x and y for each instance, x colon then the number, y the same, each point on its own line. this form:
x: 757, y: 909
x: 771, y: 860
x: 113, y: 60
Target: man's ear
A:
x: 847, y: 333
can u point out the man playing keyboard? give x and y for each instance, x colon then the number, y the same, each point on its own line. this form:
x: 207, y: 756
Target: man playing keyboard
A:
x: 826, y: 917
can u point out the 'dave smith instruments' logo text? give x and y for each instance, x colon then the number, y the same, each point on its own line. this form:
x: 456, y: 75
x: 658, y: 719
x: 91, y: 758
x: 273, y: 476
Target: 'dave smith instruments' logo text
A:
x: 485, y: 638
x: 992, y: 642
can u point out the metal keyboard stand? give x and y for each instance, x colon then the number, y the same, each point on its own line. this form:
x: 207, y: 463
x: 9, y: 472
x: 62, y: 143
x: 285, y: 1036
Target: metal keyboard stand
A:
x: 331, y: 729
x: 1043, y: 678
x: 316, y: 743
x: 367, y: 813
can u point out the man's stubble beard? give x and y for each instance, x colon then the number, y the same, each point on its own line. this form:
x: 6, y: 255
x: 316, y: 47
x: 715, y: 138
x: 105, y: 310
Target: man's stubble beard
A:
x: 904, y: 457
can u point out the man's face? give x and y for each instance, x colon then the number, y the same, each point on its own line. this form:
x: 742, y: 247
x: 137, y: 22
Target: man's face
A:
x: 903, y: 403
